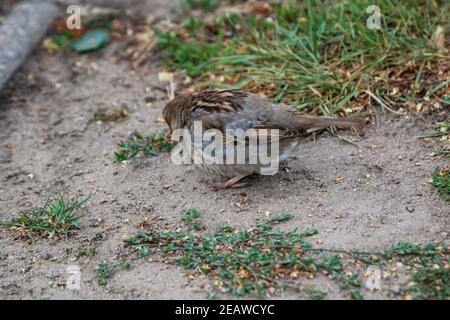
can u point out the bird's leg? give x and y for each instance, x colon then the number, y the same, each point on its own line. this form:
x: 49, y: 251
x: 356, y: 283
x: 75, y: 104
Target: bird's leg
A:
x: 230, y: 183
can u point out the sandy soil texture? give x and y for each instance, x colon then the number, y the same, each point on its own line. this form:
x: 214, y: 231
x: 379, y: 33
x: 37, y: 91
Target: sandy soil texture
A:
x: 367, y: 195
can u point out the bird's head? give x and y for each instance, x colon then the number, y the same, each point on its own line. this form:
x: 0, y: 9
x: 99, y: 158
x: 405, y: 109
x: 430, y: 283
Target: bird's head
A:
x: 177, y: 112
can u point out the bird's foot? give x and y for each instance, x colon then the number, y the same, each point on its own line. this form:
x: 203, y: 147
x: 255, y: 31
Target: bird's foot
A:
x: 230, y: 183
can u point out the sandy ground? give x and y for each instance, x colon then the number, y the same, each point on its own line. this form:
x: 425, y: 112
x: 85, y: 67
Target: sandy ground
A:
x: 357, y: 197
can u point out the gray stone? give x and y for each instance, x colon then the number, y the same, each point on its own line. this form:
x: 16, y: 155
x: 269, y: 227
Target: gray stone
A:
x: 22, y: 29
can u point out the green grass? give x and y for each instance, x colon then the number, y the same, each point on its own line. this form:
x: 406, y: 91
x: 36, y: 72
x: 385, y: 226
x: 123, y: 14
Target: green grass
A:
x: 137, y: 144
x: 262, y: 261
x: 440, y: 129
x: 192, y: 56
x: 204, y: 5
x: 440, y: 135
x: 441, y: 181
x: 56, y: 218
x: 318, y: 56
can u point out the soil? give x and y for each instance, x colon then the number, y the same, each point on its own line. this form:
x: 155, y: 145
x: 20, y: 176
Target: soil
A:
x: 366, y: 195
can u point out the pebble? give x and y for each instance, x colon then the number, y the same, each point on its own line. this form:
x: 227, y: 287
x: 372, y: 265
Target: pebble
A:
x: 395, y: 289
x: 125, y: 237
x: 46, y: 256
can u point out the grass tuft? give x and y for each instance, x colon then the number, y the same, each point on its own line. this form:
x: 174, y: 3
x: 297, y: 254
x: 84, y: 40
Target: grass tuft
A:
x: 56, y: 218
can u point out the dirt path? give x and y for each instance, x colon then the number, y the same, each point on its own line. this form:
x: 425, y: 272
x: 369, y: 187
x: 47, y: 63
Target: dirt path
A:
x: 358, y: 198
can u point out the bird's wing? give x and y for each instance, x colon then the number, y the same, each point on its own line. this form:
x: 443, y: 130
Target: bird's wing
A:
x: 227, y: 110
x: 229, y: 130
x: 217, y: 101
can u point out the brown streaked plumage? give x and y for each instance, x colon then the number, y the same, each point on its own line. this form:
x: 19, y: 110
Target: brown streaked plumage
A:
x: 234, y: 109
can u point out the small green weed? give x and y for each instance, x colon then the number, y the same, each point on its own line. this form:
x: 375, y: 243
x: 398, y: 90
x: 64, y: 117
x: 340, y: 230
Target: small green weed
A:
x: 147, y: 145
x: 86, y: 250
x: 262, y: 261
x: 190, y: 219
x: 430, y: 265
x: 104, y: 272
x: 315, y: 294
x: 441, y: 181
x: 279, y: 218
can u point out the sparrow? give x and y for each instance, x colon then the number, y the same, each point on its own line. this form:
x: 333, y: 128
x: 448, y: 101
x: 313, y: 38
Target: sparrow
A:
x: 225, y: 110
